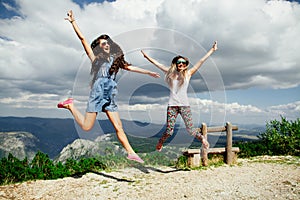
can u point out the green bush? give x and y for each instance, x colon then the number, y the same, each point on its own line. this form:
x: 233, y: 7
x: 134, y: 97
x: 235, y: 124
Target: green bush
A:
x: 182, y: 162
x: 280, y: 138
x: 14, y: 170
x: 249, y: 149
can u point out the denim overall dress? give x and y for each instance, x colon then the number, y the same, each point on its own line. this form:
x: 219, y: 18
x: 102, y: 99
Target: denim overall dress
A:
x: 104, y: 90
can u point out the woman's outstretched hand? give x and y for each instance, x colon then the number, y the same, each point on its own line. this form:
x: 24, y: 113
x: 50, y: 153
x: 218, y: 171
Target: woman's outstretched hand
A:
x: 70, y: 17
x: 215, y: 46
x: 144, y: 54
x: 154, y: 74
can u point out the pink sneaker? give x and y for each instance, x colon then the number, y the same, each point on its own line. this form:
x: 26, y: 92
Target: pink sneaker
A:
x: 135, y: 157
x: 65, y: 103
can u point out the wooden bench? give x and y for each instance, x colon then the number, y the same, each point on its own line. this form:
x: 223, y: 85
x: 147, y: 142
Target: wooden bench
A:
x: 194, y: 155
x: 230, y: 153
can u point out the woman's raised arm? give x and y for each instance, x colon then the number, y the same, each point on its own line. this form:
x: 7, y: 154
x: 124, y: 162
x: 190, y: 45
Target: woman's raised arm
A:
x: 84, y: 42
x: 155, y: 62
x: 203, y: 59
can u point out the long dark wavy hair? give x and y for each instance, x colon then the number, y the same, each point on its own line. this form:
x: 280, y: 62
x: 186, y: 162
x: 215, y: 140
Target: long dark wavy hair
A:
x: 101, y: 56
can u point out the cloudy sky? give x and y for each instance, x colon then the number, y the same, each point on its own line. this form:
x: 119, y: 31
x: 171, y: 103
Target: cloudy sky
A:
x: 254, y: 76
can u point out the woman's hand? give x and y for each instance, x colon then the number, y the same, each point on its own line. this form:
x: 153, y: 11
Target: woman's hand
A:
x: 215, y: 46
x: 70, y: 17
x: 154, y: 74
x: 144, y: 54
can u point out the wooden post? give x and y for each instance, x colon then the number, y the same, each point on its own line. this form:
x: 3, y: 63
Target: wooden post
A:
x: 229, y: 155
x: 204, y: 151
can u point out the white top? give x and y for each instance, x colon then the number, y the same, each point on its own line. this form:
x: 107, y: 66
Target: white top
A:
x: 178, y: 96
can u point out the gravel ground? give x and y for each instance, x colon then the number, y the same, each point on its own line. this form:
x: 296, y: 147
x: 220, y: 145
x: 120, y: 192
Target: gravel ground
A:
x: 260, y: 178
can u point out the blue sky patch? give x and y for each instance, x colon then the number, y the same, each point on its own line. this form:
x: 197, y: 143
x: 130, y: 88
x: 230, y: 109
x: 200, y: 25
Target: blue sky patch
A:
x: 8, y: 9
x: 82, y: 2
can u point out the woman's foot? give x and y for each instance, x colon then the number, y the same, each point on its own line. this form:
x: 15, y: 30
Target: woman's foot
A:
x: 65, y: 104
x: 205, y: 143
x: 135, y: 157
x: 159, y: 146
x: 161, y: 141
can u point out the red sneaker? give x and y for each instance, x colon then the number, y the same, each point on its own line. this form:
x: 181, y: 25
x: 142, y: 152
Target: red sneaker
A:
x: 159, y: 146
x: 65, y: 103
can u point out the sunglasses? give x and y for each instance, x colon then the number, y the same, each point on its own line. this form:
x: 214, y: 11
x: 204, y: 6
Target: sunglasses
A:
x: 181, y: 61
x: 104, y: 44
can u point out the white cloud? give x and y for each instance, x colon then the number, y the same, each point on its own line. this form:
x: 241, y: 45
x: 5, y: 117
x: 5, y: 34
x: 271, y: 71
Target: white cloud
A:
x: 40, y: 53
x: 34, y: 101
x: 207, y: 109
x: 291, y: 109
x: 256, y: 38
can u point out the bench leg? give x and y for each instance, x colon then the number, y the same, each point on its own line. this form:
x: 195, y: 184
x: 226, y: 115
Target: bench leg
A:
x: 194, y: 160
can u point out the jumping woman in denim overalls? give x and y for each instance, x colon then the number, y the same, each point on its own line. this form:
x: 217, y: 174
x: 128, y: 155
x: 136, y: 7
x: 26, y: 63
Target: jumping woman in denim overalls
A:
x: 106, y: 58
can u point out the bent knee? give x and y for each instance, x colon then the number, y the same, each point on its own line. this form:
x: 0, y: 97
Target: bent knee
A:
x: 86, y: 128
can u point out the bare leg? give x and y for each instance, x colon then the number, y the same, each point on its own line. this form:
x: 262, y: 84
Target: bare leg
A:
x: 116, y: 121
x: 85, y: 122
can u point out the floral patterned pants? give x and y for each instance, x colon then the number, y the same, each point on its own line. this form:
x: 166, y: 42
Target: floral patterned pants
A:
x: 186, y: 114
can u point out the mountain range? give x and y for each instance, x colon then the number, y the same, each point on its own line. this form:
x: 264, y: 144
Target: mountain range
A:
x: 23, y: 137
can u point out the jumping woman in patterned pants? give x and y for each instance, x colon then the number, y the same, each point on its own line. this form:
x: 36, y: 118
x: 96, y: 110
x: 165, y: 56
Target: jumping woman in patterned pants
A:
x: 178, y: 77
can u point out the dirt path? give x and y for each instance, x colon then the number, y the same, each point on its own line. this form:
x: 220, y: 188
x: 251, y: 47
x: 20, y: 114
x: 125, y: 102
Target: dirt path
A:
x: 246, y: 180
